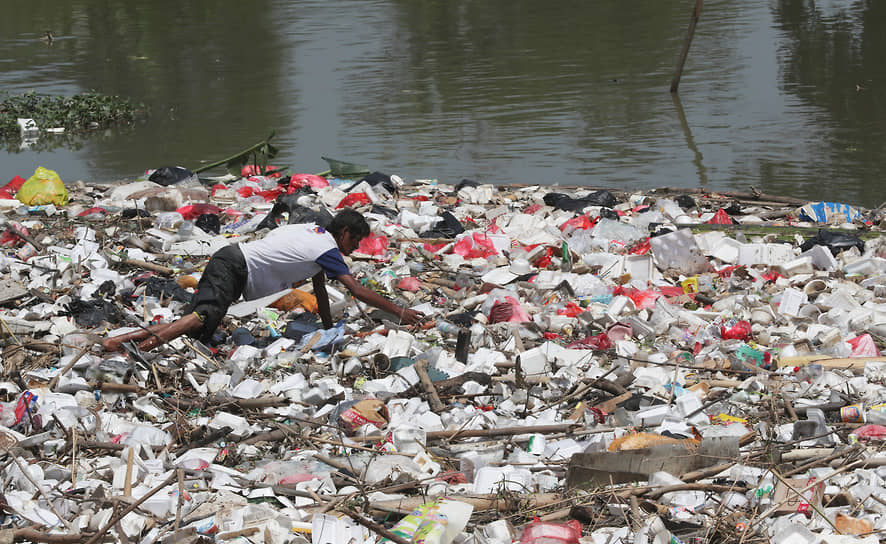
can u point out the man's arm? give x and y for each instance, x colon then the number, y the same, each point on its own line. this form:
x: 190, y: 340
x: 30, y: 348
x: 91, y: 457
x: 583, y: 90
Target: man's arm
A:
x: 319, y: 281
x: 372, y: 298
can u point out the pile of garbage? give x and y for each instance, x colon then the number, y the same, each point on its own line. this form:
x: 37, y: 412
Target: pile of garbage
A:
x: 596, y: 366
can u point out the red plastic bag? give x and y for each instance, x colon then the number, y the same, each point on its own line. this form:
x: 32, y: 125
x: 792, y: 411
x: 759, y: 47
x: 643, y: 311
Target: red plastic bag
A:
x: 740, y: 331
x: 409, y: 284
x: 8, y: 239
x: 297, y: 181
x: 582, y: 222
x: 720, y: 218
x: 642, y: 300
x: 870, y: 432
x: 353, y: 199
x: 640, y: 248
x: 600, y: 341
x: 863, y: 346
x: 255, y: 170
x: 476, y: 246
x: 8, y: 191
x: 570, y: 310
x: 373, y: 245
x: 193, y: 211
x: 90, y: 211
x: 508, y: 310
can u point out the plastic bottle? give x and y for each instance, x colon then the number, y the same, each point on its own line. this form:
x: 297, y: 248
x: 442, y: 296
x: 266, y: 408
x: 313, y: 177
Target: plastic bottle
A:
x: 447, y: 328
x: 876, y: 415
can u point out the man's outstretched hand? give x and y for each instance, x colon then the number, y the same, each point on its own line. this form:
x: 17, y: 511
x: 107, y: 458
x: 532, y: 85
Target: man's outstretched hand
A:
x: 411, y: 317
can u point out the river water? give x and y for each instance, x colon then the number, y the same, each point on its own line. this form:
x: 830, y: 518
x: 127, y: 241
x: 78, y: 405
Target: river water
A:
x: 783, y: 95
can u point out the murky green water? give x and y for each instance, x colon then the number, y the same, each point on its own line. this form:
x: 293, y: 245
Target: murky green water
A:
x: 783, y: 95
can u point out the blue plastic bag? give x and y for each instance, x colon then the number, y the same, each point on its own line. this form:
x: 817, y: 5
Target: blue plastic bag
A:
x: 821, y: 212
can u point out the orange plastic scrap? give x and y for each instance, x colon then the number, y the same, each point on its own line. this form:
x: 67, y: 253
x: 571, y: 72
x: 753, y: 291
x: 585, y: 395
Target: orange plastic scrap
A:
x: 638, y: 441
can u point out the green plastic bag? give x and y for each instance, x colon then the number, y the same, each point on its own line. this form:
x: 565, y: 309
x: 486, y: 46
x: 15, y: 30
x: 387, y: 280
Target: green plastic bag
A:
x: 44, y: 187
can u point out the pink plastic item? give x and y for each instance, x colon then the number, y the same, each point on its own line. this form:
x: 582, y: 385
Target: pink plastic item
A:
x: 298, y: 181
x: 409, y: 284
x: 863, y: 346
x: 373, y: 245
x: 546, y: 532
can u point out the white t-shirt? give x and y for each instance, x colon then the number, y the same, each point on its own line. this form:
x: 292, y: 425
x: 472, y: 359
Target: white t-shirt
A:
x: 290, y: 254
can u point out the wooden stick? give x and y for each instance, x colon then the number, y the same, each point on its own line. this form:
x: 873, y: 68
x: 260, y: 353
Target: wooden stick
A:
x: 160, y: 269
x: 473, y: 433
x: 40, y: 490
x: 32, y: 535
x: 678, y: 72
x: 95, y: 538
x: 181, y: 497
x: 54, y: 381
x: 421, y: 368
x: 375, y: 527
x: 127, y: 485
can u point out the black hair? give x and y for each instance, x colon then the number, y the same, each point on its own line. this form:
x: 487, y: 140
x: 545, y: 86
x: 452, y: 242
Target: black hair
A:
x: 352, y: 220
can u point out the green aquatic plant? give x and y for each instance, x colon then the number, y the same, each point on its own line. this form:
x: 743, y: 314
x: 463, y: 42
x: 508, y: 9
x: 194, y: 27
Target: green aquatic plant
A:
x: 77, y: 113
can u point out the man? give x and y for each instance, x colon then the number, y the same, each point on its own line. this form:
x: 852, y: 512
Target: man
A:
x: 287, y: 255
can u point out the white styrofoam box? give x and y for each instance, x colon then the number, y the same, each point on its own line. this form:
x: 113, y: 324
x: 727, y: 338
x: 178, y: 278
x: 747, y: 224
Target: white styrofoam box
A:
x: 533, y: 361
x: 679, y: 251
x: 771, y: 254
x: 822, y: 258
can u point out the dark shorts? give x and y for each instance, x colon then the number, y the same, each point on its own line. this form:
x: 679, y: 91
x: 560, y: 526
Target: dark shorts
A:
x: 222, y: 283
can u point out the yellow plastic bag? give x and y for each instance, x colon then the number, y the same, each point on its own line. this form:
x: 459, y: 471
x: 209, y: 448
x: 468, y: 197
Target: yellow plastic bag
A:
x: 44, y: 187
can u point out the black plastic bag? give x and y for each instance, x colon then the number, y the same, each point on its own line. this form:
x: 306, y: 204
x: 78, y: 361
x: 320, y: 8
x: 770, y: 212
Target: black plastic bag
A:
x: 92, y: 313
x: 377, y: 178
x: 465, y: 183
x: 447, y: 227
x: 298, y: 214
x: 208, y: 222
x: 567, y: 203
x: 171, y: 175
x: 164, y: 288
x: 835, y: 241
x: 685, y: 201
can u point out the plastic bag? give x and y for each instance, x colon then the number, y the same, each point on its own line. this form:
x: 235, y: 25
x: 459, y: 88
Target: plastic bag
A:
x: 256, y: 170
x: 508, y: 310
x: 437, y: 522
x: 353, y: 199
x: 409, y: 284
x: 7, y: 192
x: 740, y: 331
x: 44, y: 187
x: 581, y: 222
x: 172, y: 175
x: 297, y: 181
x: 835, y: 241
x: 193, y: 211
x: 476, y: 246
x: 600, y: 342
x: 373, y: 245
x: 721, y: 218
x: 822, y: 212
x: 863, y: 346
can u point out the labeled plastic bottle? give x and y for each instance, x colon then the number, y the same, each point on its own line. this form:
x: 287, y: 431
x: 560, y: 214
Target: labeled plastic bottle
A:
x: 447, y: 328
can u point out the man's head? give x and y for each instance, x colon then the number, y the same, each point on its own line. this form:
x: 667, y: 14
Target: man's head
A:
x: 348, y: 227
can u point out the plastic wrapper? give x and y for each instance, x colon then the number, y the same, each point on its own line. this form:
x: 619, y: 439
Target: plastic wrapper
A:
x: 437, y: 522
